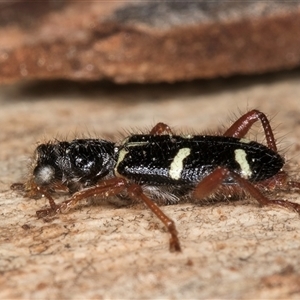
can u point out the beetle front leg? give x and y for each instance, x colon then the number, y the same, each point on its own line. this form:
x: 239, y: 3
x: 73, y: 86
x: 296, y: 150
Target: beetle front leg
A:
x: 111, y: 187
x: 241, y: 127
x: 106, y: 188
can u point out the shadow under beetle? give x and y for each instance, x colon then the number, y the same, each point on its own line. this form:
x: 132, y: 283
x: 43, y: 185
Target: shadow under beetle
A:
x: 162, y: 167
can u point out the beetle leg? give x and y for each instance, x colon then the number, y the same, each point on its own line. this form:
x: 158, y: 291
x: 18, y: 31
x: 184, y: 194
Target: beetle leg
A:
x: 255, y: 193
x: 241, y: 127
x: 211, y: 182
x: 135, y: 192
x: 106, y: 188
x: 17, y: 186
x: 111, y: 187
x: 277, y: 182
x: 161, y: 129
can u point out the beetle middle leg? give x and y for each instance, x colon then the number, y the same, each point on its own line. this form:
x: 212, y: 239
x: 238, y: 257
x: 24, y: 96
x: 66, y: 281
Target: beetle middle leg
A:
x: 161, y: 129
x: 112, y: 187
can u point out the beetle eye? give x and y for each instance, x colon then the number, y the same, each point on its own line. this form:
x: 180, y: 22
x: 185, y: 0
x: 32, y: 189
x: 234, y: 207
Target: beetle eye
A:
x: 43, y: 175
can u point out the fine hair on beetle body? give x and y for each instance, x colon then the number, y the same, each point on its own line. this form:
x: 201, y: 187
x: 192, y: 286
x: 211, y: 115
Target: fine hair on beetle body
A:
x: 160, y: 166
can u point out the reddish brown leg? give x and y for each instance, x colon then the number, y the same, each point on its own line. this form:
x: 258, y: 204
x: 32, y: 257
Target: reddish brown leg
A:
x: 106, y: 188
x: 54, y: 208
x: 34, y: 191
x: 278, y: 181
x: 255, y: 193
x: 241, y: 127
x: 160, y: 129
x: 210, y: 183
x: 17, y: 186
x: 135, y: 192
x: 113, y: 187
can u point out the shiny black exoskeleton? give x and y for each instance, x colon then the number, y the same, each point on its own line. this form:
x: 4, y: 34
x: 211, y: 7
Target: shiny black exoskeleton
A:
x: 154, y: 160
x: 76, y: 164
x: 162, y: 167
x: 175, y: 159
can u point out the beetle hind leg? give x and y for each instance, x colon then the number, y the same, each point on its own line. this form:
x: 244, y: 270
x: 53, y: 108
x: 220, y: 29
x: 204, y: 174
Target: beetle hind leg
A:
x: 241, y: 127
x: 263, y: 200
x: 214, y: 180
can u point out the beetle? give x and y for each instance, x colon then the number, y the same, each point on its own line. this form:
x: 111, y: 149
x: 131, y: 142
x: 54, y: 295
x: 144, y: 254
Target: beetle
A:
x: 163, y: 168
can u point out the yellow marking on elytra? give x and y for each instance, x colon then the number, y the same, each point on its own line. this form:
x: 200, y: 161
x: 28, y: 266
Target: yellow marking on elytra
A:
x: 245, y: 141
x: 133, y: 144
x: 125, y: 141
x: 121, y: 157
x: 136, y: 144
x: 176, y: 166
x: 187, y: 136
x: 241, y: 159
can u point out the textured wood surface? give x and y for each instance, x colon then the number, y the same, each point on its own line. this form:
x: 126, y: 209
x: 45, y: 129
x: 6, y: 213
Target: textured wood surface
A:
x: 230, y: 250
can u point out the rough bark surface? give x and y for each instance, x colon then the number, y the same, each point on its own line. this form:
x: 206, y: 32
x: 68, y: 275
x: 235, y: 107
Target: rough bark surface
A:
x: 230, y: 250
x: 126, y: 41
